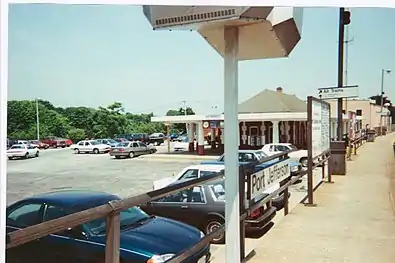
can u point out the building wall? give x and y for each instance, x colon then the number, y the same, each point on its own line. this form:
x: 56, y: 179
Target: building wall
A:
x: 370, y: 112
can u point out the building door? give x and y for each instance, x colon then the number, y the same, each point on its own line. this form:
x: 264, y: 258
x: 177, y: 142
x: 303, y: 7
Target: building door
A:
x: 255, y: 139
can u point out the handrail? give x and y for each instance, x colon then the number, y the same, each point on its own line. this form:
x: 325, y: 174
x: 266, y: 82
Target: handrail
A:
x: 30, y: 233
x: 112, y: 209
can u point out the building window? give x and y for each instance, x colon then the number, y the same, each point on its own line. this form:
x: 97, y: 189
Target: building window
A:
x: 359, y: 112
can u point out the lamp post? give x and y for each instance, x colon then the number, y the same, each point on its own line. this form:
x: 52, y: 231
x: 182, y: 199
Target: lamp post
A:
x: 37, y: 121
x: 383, y: 71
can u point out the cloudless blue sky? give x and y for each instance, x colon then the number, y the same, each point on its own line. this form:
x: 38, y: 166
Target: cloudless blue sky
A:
x: 95, y: 55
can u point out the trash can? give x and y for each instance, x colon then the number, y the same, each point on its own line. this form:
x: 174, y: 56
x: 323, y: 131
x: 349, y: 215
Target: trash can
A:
x: 371, y: 135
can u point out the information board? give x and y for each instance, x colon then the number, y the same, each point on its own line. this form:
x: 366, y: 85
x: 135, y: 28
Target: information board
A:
x: 320, y: 127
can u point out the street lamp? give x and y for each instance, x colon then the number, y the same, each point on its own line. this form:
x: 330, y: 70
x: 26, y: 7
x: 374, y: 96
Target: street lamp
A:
x: 383, y: 71
x: 37, y: 121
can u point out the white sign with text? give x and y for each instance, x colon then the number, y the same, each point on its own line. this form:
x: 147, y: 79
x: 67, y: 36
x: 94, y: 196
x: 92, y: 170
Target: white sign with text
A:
x: 269, y: 176
x: 336, y: 93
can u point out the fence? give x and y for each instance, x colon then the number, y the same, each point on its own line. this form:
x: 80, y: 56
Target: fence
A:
x: 111, y: 211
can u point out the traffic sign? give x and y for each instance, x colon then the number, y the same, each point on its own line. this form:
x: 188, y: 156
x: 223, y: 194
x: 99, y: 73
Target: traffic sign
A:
x: 338, y: 92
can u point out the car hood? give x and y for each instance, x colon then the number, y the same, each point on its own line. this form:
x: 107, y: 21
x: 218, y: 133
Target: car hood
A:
x: 156, y: 236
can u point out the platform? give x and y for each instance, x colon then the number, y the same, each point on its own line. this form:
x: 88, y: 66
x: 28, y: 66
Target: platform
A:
x: 354, y: 221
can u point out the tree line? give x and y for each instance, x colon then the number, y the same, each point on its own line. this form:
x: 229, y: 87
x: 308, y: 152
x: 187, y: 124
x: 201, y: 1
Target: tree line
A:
x: 78, y: 123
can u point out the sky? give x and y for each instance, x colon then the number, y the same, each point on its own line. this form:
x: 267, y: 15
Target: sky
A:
x: 74, y: 55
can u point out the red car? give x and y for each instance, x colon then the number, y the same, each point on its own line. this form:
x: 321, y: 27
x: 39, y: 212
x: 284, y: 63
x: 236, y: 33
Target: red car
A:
x: 40, y: 144
x: 56, y: 142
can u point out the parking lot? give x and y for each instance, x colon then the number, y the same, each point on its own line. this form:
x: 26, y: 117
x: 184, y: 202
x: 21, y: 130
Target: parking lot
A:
x: 61, y: 169
x: 58, y: 169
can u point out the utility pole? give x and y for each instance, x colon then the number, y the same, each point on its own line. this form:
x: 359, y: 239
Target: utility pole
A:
x: 37, y: 121
x: 184, y: 105
x: 346, y: 42
x: 340, y: 74
x: 383, y: 71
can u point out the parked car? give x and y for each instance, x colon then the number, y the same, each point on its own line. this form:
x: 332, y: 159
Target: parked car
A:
x: 297, y: 155
x: 90, y: 146
x: 131, y: 149
x: 143, y: 238
x: 25, y: 151
x: 28, y: 142
x: 40, y: 145
x: 55, y: 142
x: 141, y: 137
x: 11, y: 142
x: 119, y: 140
x: 109, y: 142
x: 182, y: 144
x: 157, y: 138
x: 246, y: 156
x: 202, y: 170
x: 204, y: 208
x: 181, y: 138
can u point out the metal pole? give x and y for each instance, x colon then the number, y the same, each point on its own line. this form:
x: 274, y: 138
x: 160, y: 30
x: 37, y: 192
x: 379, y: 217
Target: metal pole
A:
x: 3, y: 123
x: 231, y: 131
x: 382, y: 101
x: 346, y: 62
x: 185, y: 114
x: 37, y: 121
x: 340, y: 75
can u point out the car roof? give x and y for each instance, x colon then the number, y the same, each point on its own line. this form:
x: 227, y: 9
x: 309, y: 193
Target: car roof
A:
x: 207, y: 167
x: 83, y: 199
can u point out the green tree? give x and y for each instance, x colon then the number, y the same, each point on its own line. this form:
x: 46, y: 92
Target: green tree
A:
x: 76, y: 134
x: 179, y: 127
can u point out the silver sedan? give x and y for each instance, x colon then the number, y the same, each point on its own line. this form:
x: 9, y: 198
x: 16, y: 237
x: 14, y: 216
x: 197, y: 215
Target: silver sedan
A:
x: 131, y: 149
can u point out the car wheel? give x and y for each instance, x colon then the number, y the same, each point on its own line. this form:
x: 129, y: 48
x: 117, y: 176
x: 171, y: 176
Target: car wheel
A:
x: 117, y: 157
x: 303, y: 161
x: 37, y: 154
x: 76, y: 151
x: 131, y: 154
x: 26, y: 156
x: 151, y: 151
x: 96, y: 151
x: 10, y: 158
x: 212, y: 225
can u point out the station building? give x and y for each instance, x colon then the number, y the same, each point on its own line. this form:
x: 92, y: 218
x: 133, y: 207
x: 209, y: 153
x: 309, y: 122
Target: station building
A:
x: 269, y: 116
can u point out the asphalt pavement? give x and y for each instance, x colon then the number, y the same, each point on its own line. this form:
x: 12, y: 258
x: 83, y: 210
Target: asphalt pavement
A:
x: 58, y: 169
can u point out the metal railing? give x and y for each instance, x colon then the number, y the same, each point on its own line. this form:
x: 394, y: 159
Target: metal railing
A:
x: 112, y: 211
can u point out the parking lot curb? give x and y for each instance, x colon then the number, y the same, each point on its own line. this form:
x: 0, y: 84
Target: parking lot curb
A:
x: 178, y: 157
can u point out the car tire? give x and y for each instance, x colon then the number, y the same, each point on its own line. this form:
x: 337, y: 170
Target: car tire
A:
x: 151, y: 151
x: 10, y: 158
x: 117, y: 157
x: 96, y: 151
x: 212, y: 224
x: 76, y: 151
x: 37, y: 154
x: 26, y: 156
x: 303, y: 161
x: 131, y: 154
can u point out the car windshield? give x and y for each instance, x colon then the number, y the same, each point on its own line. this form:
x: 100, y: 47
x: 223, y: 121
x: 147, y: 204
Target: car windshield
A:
x: 292, y: 147
x: 207, y: 173
x: 112, y: 141
x: 128, y: 218
x: 260, y: 154
x: 17, y: 147
x: 184, y: 139
x: 218, y: 190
